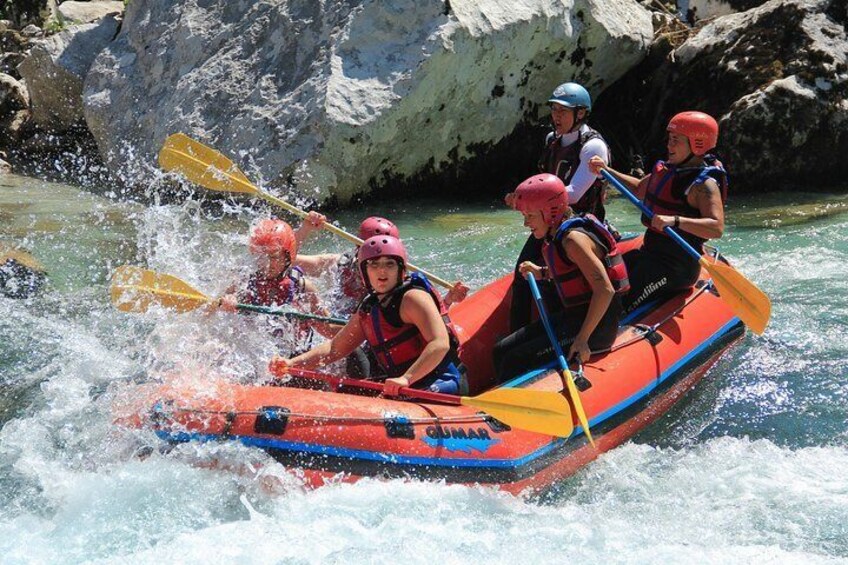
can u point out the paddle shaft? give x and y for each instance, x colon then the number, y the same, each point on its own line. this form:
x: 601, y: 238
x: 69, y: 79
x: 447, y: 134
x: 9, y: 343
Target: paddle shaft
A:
x: 645, y: 210
x: 565, y: 372
x: 290, y: 314
x: 379, y: 387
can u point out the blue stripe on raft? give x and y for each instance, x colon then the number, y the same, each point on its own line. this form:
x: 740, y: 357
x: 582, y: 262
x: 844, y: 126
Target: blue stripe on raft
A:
x: 359, y: 453
x: 408, y: 460
x: 615, y: 409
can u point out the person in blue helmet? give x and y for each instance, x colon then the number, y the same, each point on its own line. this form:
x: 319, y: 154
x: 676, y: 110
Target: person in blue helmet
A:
x: 568, y: 149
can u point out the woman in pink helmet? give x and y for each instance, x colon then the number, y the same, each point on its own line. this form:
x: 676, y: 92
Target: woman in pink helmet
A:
x: 582, y: 263
x: 402, y: 319
x: 686, y: 192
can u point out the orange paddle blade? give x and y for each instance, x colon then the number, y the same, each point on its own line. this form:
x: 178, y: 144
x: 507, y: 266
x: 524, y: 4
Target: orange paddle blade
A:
x: 748, y: 302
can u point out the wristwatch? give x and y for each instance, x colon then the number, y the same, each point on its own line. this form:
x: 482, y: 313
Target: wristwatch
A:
x: 677, y: 221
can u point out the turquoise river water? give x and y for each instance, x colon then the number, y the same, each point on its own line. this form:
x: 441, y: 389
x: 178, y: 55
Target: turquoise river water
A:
x: 750, y: 467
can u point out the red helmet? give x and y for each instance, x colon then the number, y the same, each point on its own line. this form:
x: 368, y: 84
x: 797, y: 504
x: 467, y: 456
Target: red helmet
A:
x: 375, y: 225
x: 545, y: 193
x: 380, y: 246
x: 699, y: 128
x: 270, y: 235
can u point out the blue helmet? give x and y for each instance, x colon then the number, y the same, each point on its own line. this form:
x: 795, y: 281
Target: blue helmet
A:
x: 571, y: 95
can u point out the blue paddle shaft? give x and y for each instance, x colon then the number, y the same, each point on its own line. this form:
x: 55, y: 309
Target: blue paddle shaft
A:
x: 537, y: 296
x: 645, y: 210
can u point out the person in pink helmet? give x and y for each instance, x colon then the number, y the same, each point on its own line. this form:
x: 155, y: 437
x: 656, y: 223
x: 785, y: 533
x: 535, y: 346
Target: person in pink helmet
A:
x: 686, y: 192
x: 582, y: 263
x: 404, y: 322
x: 350, y: 288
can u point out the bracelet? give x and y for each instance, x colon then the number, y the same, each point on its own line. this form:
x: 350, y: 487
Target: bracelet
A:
x: 677, y: 221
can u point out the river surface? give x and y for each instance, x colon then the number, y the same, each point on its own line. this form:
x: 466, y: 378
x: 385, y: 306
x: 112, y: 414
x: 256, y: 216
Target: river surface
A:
x: 751, y: 467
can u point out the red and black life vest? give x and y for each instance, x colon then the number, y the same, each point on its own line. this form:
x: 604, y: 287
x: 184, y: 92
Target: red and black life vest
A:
x: 666, y: 192
x: 564, y: 161
x: 262, y: 291
x: 396, y: 344
x: 350, y: 281
x: 572, y: 286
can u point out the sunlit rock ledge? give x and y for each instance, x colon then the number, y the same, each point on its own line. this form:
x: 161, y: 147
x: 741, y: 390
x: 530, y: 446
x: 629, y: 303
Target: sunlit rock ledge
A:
x: 335, y: 98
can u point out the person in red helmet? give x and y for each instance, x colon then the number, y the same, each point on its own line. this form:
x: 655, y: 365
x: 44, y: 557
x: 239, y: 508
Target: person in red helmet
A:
x: 276, y: 282
x: 350, y: 287
x: 582, y: 262
x: 686, y: 192
x: 568, y: 149
x: 403, y: 320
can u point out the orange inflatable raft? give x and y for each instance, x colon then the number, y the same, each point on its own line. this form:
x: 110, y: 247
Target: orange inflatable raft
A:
x: 345, y: 433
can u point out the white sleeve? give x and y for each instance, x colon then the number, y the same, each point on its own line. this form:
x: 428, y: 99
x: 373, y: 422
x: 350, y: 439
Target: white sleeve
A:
x: 583, y: 178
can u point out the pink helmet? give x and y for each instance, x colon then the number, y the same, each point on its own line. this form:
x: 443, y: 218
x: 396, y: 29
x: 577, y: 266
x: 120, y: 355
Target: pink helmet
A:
x: 699, y: 128
x: 375, y: 225
x: 271, y: 235
x: 545, y: 193
x: 380, y: 246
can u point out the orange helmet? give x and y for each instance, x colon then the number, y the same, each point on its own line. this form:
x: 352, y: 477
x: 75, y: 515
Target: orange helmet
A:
x: 271, y: 235
x: 699, y: 128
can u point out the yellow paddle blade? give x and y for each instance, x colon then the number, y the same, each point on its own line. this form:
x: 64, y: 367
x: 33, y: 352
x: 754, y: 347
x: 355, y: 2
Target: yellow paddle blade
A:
x: 574, y: 394
x: 537, y: 411
x: 203, y: 165
x: 135, y: 289
x: 748, y: 302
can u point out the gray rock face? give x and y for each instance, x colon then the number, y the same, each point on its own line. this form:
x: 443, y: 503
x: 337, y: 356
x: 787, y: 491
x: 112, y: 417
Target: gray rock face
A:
x: 55, y: 70
x: 788, y: 121
x: 339, y: 96
x: 13, y: 94
x: 775, y: 76
x: 84, y: 12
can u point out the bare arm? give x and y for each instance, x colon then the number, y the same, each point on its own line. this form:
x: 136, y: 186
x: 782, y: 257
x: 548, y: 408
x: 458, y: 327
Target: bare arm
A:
x: 313, y: 221
x: 586, y: 254
x: 633, y: 184
x: 706, y: 197
x: 316, y: 265
x: 419, y: 309
x: 349, y: 338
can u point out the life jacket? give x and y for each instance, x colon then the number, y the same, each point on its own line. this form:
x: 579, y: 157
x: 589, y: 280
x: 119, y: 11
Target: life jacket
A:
x: 666, y: 192
x: 350, y: 281
x: 395, y: 344
x: 572, y: 286
x: 564, y: 161
x: 262, y: 291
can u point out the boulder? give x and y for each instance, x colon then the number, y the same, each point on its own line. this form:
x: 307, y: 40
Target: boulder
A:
x: 84, y: 12
x: 341, y: 97
x: 13, y: 94
x: 776, y: 76
x: 55, y: 70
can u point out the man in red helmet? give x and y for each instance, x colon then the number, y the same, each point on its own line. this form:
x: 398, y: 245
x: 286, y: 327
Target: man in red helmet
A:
x: 582, y: 262
x: 568, y: 149
x: 686, y: 192
x: 276, y: 282
x: 350, y: 288
x: 403, y: 320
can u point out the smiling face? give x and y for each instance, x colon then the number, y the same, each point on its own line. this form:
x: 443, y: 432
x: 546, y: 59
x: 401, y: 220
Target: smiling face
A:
x: 537, y: 224
x: 384, y: 274
x: 678, y: 148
